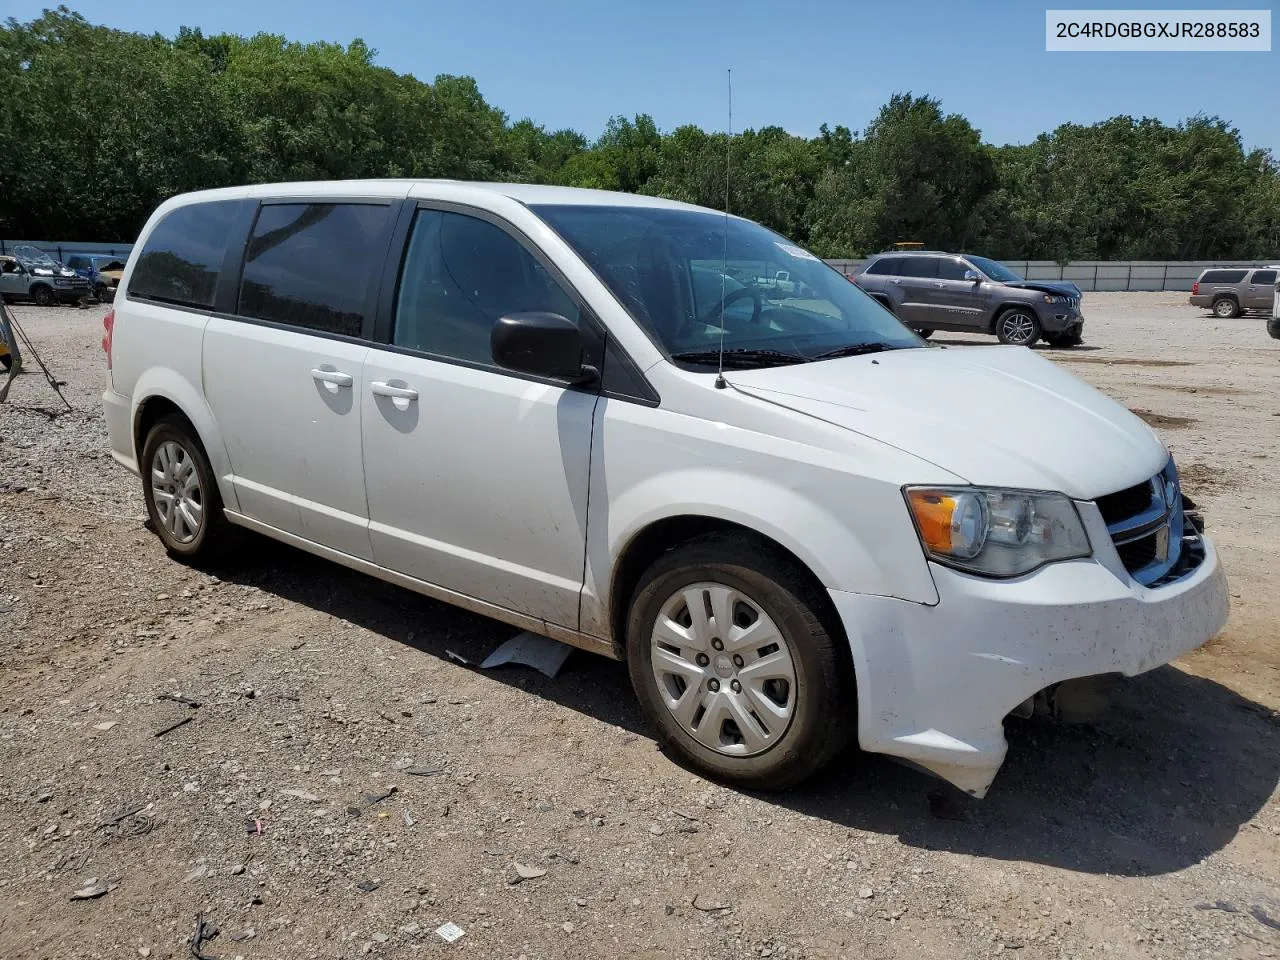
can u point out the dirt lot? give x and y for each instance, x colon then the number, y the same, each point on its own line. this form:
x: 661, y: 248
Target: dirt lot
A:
x: 1153, y: 833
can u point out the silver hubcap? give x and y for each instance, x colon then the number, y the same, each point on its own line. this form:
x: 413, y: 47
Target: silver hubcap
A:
x: 1225, y: 308
x: 175, y: 488
x: 1018, y: 328
x: 723, y: 669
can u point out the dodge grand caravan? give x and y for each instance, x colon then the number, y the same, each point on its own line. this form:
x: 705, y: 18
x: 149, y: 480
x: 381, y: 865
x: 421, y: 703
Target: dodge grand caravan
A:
x: 796, y: 521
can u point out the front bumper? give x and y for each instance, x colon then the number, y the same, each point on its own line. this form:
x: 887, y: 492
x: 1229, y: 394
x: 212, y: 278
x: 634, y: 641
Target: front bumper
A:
x: 936, y: 682
x: 1059, y: 319
x: 71, y: 293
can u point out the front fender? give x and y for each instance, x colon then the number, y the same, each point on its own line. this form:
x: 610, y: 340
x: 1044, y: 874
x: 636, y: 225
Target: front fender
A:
x: 169, y: 384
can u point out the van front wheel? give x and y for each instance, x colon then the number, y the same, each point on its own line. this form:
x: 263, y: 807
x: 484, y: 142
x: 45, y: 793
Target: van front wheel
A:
x: 182, y: 496
x: 734, y: 665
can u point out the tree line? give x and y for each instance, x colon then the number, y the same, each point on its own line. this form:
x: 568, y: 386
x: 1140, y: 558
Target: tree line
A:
x: 98, y: 126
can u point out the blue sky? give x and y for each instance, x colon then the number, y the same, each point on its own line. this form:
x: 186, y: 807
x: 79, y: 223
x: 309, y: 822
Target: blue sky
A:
x: 568, y: 63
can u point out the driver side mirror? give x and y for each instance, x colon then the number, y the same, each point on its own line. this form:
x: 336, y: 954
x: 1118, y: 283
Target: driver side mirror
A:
x: 542, y: 343
x: 973, y: 275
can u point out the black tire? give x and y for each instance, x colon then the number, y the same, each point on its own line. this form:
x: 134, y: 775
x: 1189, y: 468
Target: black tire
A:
x: 1226, y: 308
x: 43, y: 296
x: 214, y: 531
x: 925, y: 333
x: 106, y: 294
x: 1018, y: 326
x: 823, y: 717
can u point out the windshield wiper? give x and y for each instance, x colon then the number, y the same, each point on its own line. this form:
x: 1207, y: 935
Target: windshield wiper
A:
x: 740, y: 357
x: 854, y: 350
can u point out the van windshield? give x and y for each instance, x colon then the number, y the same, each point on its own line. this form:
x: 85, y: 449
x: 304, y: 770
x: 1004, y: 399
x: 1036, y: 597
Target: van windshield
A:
x: 779, y: 303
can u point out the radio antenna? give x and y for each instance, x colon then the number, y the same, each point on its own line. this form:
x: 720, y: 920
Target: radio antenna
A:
x: 724, y: 264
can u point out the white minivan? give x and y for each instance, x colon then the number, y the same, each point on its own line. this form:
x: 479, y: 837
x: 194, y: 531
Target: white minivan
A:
x: 576, y: 412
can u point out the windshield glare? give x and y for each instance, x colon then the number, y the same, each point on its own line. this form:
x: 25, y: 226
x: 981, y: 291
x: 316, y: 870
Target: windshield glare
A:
x: 670, y: 270
x: 994, y: 270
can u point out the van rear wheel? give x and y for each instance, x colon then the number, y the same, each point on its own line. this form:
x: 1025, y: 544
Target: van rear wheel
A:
x: 182, y: 496
x: 734, y: 665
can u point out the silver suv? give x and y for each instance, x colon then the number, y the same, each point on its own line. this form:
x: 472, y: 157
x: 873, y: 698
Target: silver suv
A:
x: 1229, y: 293
x: 929, y: 290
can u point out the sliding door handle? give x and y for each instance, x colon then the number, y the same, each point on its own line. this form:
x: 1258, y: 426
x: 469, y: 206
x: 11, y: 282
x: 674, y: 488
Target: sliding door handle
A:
x: 383, y: 389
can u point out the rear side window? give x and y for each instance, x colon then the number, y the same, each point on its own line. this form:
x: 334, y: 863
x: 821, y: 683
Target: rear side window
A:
x: 313, y: 265
x: 920, y: 267
x: 885, y: 266
x: 182, y: 257
x: 1222, y: 276
x: 461, y: 274
x: 1264, y: 276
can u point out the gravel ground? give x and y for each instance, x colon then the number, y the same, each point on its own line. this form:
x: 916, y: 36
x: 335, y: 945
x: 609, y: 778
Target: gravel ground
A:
x: 344, y: 788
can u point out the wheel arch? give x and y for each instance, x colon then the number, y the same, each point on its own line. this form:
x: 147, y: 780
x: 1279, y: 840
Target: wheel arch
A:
x: 1004, y: 306
x: 649, y: 543
x: 159, y: 392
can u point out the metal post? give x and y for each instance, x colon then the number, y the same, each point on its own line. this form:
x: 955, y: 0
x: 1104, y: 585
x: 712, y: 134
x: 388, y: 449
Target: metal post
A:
x: 1164, y: 279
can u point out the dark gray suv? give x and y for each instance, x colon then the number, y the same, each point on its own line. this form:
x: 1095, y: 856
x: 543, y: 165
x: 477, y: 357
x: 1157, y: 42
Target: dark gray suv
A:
x: 930, y: 291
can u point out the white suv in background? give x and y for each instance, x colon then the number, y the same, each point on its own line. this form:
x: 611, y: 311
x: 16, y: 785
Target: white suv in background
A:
x: 510, y: 398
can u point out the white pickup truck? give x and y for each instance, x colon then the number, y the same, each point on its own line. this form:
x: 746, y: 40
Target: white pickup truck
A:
x: 780, y: 281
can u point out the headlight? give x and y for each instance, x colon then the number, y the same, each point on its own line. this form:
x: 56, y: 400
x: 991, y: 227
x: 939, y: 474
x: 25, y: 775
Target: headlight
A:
x: 996, y: 532
x: 1053, y: 298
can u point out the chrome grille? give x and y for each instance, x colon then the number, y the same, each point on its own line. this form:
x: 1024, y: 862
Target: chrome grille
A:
x: 1154, y: 538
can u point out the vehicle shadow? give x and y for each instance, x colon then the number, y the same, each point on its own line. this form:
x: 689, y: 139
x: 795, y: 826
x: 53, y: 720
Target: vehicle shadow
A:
x: 987, y: 341
x: 1159, y: 782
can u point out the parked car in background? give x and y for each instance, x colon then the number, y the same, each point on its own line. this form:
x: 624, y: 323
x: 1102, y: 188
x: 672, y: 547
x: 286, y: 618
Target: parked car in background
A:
x: 798, y: 523
x: 1231, y: 292
x: 931, y: 290
x: 780, y: 282
x: 31, y: 274
x: 103, y: 272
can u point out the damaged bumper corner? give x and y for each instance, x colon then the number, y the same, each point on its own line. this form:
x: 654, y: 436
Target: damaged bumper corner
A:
x: 936, y: 682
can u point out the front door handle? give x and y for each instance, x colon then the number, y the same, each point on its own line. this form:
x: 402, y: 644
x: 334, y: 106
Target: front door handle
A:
x: 382, y: 389
x: 333, y: 377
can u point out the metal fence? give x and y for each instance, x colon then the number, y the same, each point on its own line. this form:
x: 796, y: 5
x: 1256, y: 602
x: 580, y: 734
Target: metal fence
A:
x: 61, y: 249
x: 1088, y: 275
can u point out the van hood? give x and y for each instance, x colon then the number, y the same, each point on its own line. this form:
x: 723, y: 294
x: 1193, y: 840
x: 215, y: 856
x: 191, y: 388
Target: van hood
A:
x: 996, y: 416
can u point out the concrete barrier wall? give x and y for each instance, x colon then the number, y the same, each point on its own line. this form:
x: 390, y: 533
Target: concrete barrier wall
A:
x: 1150, y: 275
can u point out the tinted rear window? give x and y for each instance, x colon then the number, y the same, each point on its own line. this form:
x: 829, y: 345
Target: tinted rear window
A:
x: 182, y: 257
x: 313, y: 265
x: 886, y: 266
x: 1222, y: 276
x: 1263, y: 276
x: 920, y: 266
